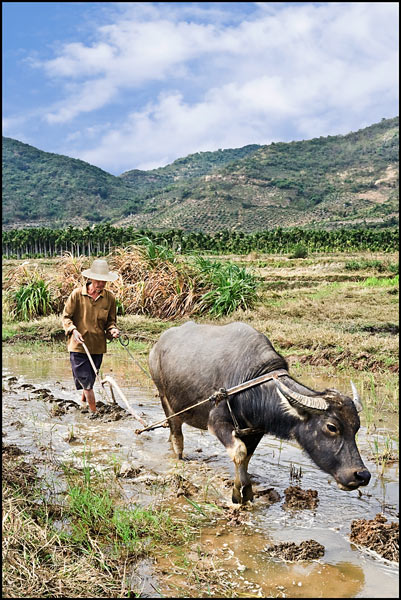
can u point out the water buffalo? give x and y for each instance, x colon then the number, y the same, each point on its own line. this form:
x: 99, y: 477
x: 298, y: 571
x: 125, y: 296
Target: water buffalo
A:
x: 192, y: 361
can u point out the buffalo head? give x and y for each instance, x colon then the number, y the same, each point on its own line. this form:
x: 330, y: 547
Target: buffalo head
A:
x: 326, y: 429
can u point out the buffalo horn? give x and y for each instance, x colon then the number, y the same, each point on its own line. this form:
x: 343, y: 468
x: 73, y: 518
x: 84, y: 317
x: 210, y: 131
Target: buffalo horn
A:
x: 355, y: 397
x: 308, y: 403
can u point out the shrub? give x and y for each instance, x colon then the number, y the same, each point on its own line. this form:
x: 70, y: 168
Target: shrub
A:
x: 32, y: 300
x: 230, y: 287
x: 300, y: 251
x: 356, y: 265
x: 153, y: 280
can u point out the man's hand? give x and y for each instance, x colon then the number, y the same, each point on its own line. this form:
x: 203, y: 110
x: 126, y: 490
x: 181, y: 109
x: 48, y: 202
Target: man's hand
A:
x: 77, y: 336
x: 114, y: 332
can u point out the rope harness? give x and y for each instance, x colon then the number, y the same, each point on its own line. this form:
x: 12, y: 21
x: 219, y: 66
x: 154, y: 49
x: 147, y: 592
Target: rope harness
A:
x: 223, y: 395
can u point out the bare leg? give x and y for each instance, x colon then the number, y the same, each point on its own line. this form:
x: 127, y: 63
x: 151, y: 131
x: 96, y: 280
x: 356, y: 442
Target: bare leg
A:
x: 90, y: 398
x: 83, y: 399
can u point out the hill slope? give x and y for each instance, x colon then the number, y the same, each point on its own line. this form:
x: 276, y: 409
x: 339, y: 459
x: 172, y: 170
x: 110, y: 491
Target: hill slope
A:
x: 325, y: 182
x: 40, y: 187
x: 332, y: 181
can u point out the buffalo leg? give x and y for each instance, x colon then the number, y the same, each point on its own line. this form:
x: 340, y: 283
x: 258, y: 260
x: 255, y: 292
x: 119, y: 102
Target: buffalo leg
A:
x: 242, y: 490
x: 175, y: 424
x: 240, y: 453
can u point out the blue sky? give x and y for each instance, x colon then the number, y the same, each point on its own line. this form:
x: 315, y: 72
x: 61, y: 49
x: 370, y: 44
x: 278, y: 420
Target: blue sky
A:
x: 136, y: 85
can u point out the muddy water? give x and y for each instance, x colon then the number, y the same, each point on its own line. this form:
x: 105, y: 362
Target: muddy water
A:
x: 344, y: 571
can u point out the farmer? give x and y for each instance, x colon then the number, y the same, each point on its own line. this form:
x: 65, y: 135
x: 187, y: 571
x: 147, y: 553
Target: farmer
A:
x: 89, y: 317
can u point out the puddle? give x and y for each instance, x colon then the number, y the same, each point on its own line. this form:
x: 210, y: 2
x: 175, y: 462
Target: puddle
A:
x: 345, y: 570
x: 265, y: 577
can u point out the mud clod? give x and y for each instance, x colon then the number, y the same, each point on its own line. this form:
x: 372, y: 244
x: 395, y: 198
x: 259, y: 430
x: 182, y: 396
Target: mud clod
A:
x: 181, y: 486
x: 109, y: 412
x: 377, y: 535
x: 128, y: 471
x: 44, y: 392
x: 57, y: 411
x: 15, y: 471
x: 385, y: 457
x: 291, y: 552
x: 236, y: 515
x: 26, y: 386
x: 295, y: 497
x: 11, y: 450
x: 270, y: 495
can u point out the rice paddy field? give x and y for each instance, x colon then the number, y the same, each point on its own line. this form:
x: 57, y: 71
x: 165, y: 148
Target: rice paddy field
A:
x: 73, y: 527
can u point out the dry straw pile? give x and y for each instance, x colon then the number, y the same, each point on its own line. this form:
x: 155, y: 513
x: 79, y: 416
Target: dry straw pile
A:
x: 154, y: 287
x: 166, y: 289
x: 153, y: 281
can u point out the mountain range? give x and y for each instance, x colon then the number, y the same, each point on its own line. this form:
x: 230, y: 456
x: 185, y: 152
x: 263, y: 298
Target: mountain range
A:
x: 325, y: 182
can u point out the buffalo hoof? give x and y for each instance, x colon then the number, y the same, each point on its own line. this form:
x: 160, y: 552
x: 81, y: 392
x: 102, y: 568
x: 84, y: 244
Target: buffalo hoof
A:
x: 181, y: 456
x: 243, y: 495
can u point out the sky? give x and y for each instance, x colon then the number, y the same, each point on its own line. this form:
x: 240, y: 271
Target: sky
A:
x: 136, y: 85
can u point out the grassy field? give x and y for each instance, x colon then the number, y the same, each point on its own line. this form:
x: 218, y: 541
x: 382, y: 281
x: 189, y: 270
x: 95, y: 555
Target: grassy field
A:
x: 333, y: 316
x: 334, y: 312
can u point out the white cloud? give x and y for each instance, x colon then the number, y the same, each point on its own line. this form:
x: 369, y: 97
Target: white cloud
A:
x: 10, y: 123
x: 133, y: 55
x: 88, y: 97
x: 301, y: 67
x: 171, y: 127
x: 79, y: 60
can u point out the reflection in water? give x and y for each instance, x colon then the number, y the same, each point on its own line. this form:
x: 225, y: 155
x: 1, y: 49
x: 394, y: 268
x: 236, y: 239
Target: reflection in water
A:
x: 343, y: 572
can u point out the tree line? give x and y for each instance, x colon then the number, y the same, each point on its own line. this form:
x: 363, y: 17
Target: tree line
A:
x: 99, y: 240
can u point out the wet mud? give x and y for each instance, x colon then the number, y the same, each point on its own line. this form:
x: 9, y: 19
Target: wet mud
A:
x: 294, y: 540
x: 291, y: 552
x: 16, y: 471
x: 296, y: 497
x: 377, y: 534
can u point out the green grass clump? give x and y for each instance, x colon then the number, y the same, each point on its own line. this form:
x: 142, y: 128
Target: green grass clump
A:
x: 32, y: 300
x: 384, y: 282
x: 300, y: 251
x: 154, y: 252
x: 81, y: 543
x: 231, y: 287
x: 137, y: 526
x: 95, y: 511
x: 364, y: 264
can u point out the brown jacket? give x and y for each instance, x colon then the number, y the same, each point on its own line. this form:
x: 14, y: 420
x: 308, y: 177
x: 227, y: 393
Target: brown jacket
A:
x: 92, y: 318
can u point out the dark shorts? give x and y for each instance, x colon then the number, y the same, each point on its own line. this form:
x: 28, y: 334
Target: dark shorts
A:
x: 82, y: 370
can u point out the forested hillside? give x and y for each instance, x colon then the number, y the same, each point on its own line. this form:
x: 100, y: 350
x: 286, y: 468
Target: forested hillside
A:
x: 336, y: 181
x: 324, y: 182
x: 42, y: 188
